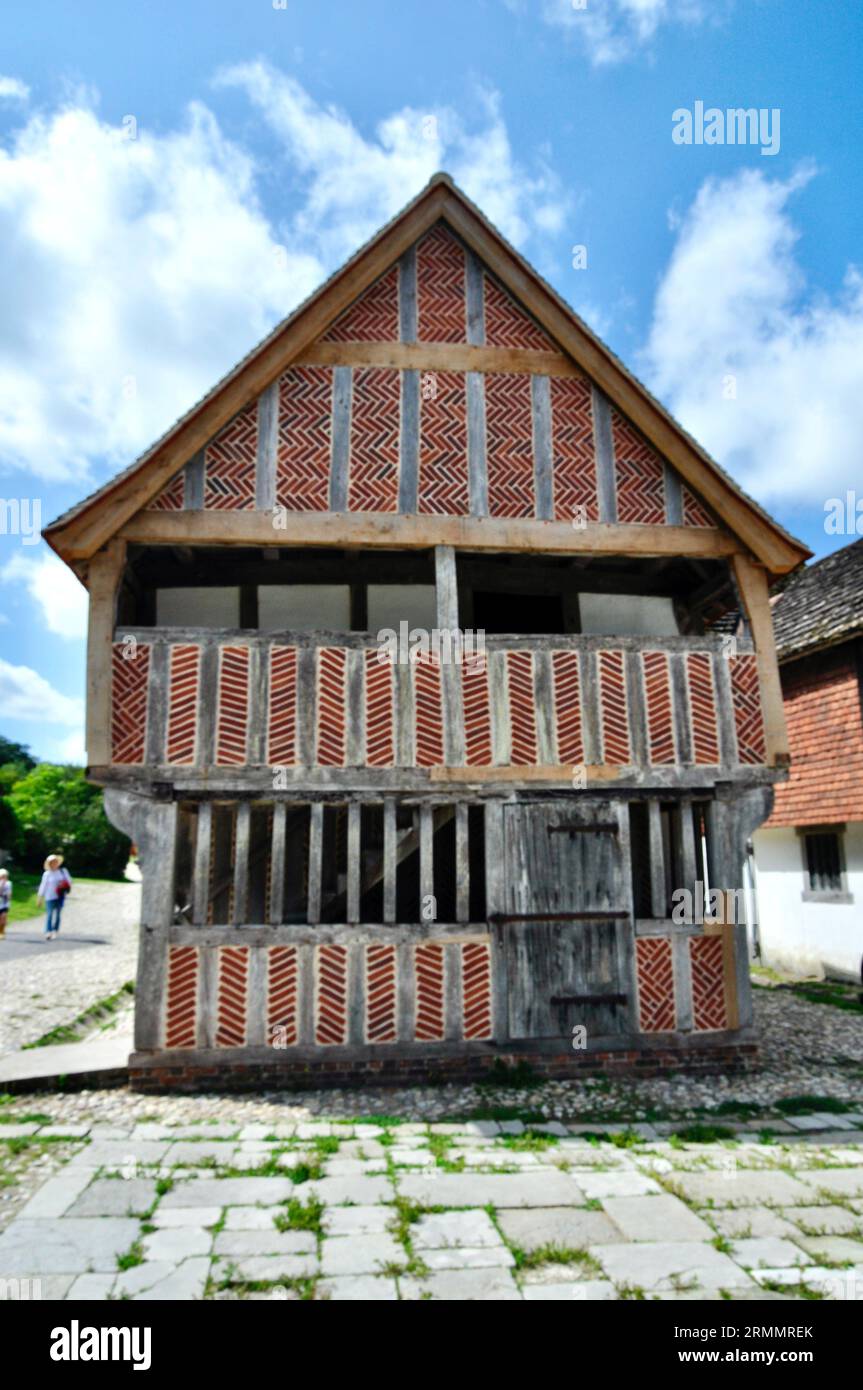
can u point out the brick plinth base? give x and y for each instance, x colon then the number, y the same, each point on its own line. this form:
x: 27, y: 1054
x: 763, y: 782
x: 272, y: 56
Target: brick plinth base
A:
x: 213, y: 1072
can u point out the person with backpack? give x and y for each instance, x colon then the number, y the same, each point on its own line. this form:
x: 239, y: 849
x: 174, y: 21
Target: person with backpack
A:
x: 5, y: 899
x: 56, y: 884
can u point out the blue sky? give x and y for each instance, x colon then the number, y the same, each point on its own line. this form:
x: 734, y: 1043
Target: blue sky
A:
x: 175, y: 177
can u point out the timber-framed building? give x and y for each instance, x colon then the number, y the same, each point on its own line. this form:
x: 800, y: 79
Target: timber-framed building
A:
x: 362, y: 868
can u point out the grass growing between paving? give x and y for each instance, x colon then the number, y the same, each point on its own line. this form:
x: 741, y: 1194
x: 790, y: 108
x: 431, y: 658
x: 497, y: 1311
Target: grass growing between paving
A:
x: 102, y: 1011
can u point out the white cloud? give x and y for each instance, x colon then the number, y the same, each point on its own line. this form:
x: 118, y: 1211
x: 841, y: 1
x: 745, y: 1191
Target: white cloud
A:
x: 352, y: 183
x: 137, y: 271
x: 134, y: 273
x: 13, y: 89
x: 734, y: 310
x: 72, y: 749
x: 24, y: 694
x: 59, y: 595
x: 613, y: 30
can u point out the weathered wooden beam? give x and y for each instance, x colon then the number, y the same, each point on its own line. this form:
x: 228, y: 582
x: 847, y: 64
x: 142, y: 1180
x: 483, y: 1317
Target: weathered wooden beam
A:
x: 277, y: 864
x: 462, y: 864
x: 241, y: 862
x: 395, y: 532
x: 354, y: 861
x: 268, y: 447
x: 438, y: 357
x: 105, y: 571
x: 390, y: 863
x: 753, y: 588
x: 201, y: 875
x: 447, y: 619
x: 316, y: 847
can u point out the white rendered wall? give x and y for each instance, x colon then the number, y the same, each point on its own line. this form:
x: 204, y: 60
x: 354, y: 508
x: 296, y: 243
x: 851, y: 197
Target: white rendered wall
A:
x: 807, y: 938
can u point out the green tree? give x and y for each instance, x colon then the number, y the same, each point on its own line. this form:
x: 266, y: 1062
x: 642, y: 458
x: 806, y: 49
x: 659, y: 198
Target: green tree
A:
x: 57, y: 810
x: 11, y: 752
x: 10, y: 832
x: 16, y: 761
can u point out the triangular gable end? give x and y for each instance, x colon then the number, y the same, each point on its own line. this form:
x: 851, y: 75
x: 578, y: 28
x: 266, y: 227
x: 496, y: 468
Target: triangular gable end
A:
x: 437, y: 293
x: 468, y: 289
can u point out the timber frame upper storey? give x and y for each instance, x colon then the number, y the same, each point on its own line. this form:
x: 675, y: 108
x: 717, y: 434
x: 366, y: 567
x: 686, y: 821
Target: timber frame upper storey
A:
x: 437, y: 409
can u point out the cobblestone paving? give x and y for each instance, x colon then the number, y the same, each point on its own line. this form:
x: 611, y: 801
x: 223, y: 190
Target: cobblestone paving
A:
x: 40, y: 992
x: 476, y: 1211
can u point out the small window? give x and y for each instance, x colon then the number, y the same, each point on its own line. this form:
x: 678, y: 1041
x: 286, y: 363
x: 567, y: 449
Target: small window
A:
x: 304, y: 607
x: 205, y: 607
x: 823, y: 862
x: 391, y: 604
x: 627, y: 615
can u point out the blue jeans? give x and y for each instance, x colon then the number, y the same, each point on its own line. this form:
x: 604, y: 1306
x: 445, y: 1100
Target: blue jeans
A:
x: 52, y: 921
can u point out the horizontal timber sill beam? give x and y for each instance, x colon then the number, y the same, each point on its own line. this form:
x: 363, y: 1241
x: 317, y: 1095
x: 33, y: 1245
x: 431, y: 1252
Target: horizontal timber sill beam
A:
x: 368, y: 641
x: 438, y: 357
x: 164, y: 783
x: 397, y: 531
x: 322, y: 935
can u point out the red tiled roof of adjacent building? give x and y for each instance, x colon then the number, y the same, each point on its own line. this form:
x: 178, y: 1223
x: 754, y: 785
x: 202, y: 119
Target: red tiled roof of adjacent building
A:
x: 818, y: 620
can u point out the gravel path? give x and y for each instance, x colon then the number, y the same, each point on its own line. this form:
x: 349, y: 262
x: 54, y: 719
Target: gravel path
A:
x: 98, y: 955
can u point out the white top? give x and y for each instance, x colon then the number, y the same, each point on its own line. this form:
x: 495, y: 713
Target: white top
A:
x: 50, y: 880
x: 5, y: 894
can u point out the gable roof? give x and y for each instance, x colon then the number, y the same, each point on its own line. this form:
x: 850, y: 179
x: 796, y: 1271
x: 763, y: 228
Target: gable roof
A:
x: 820, y: 605
x: 82, y: 530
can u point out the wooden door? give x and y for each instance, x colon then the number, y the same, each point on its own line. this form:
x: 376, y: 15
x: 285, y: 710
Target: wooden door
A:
x: 562, y: 859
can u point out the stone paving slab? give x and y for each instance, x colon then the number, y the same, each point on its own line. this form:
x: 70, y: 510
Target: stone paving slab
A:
x: 747, y: 1222
x: 72, y: 1246
x: 265, y: 1241
x: 583, y: 1291
x: 462, y: 1286
x: 660, y: 1264
x: 358, y: 1190
x: 762, y: 1252
x: 835, y: 1249
x: 661, y: 1217
x: 251, y: 1218
x: 200, y: 1217
x: 361, y: 1254
x: 743, y: 1187
x: 177, y: 1243
x: 567, y: 1228
x: 359, y: 1220
x: 228, y: 1192
x: 185, y: 1282
x: 840, y: 1182
x: 358, y: 1288
x: 542, y: 1187
x: 448, y: 1229
x: 829, y: 1221
x: 91, y: 1288
x: 466, y: 1257
x: 617, y: 1184
x: 115, y: 1197
x: 253, y: 1268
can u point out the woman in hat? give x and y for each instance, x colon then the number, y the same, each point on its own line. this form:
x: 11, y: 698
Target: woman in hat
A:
x: 55, y: 884
x: 5, y: 899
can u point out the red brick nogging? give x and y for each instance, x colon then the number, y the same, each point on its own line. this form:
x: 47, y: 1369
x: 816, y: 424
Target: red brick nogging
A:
x: 208, y: 1075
